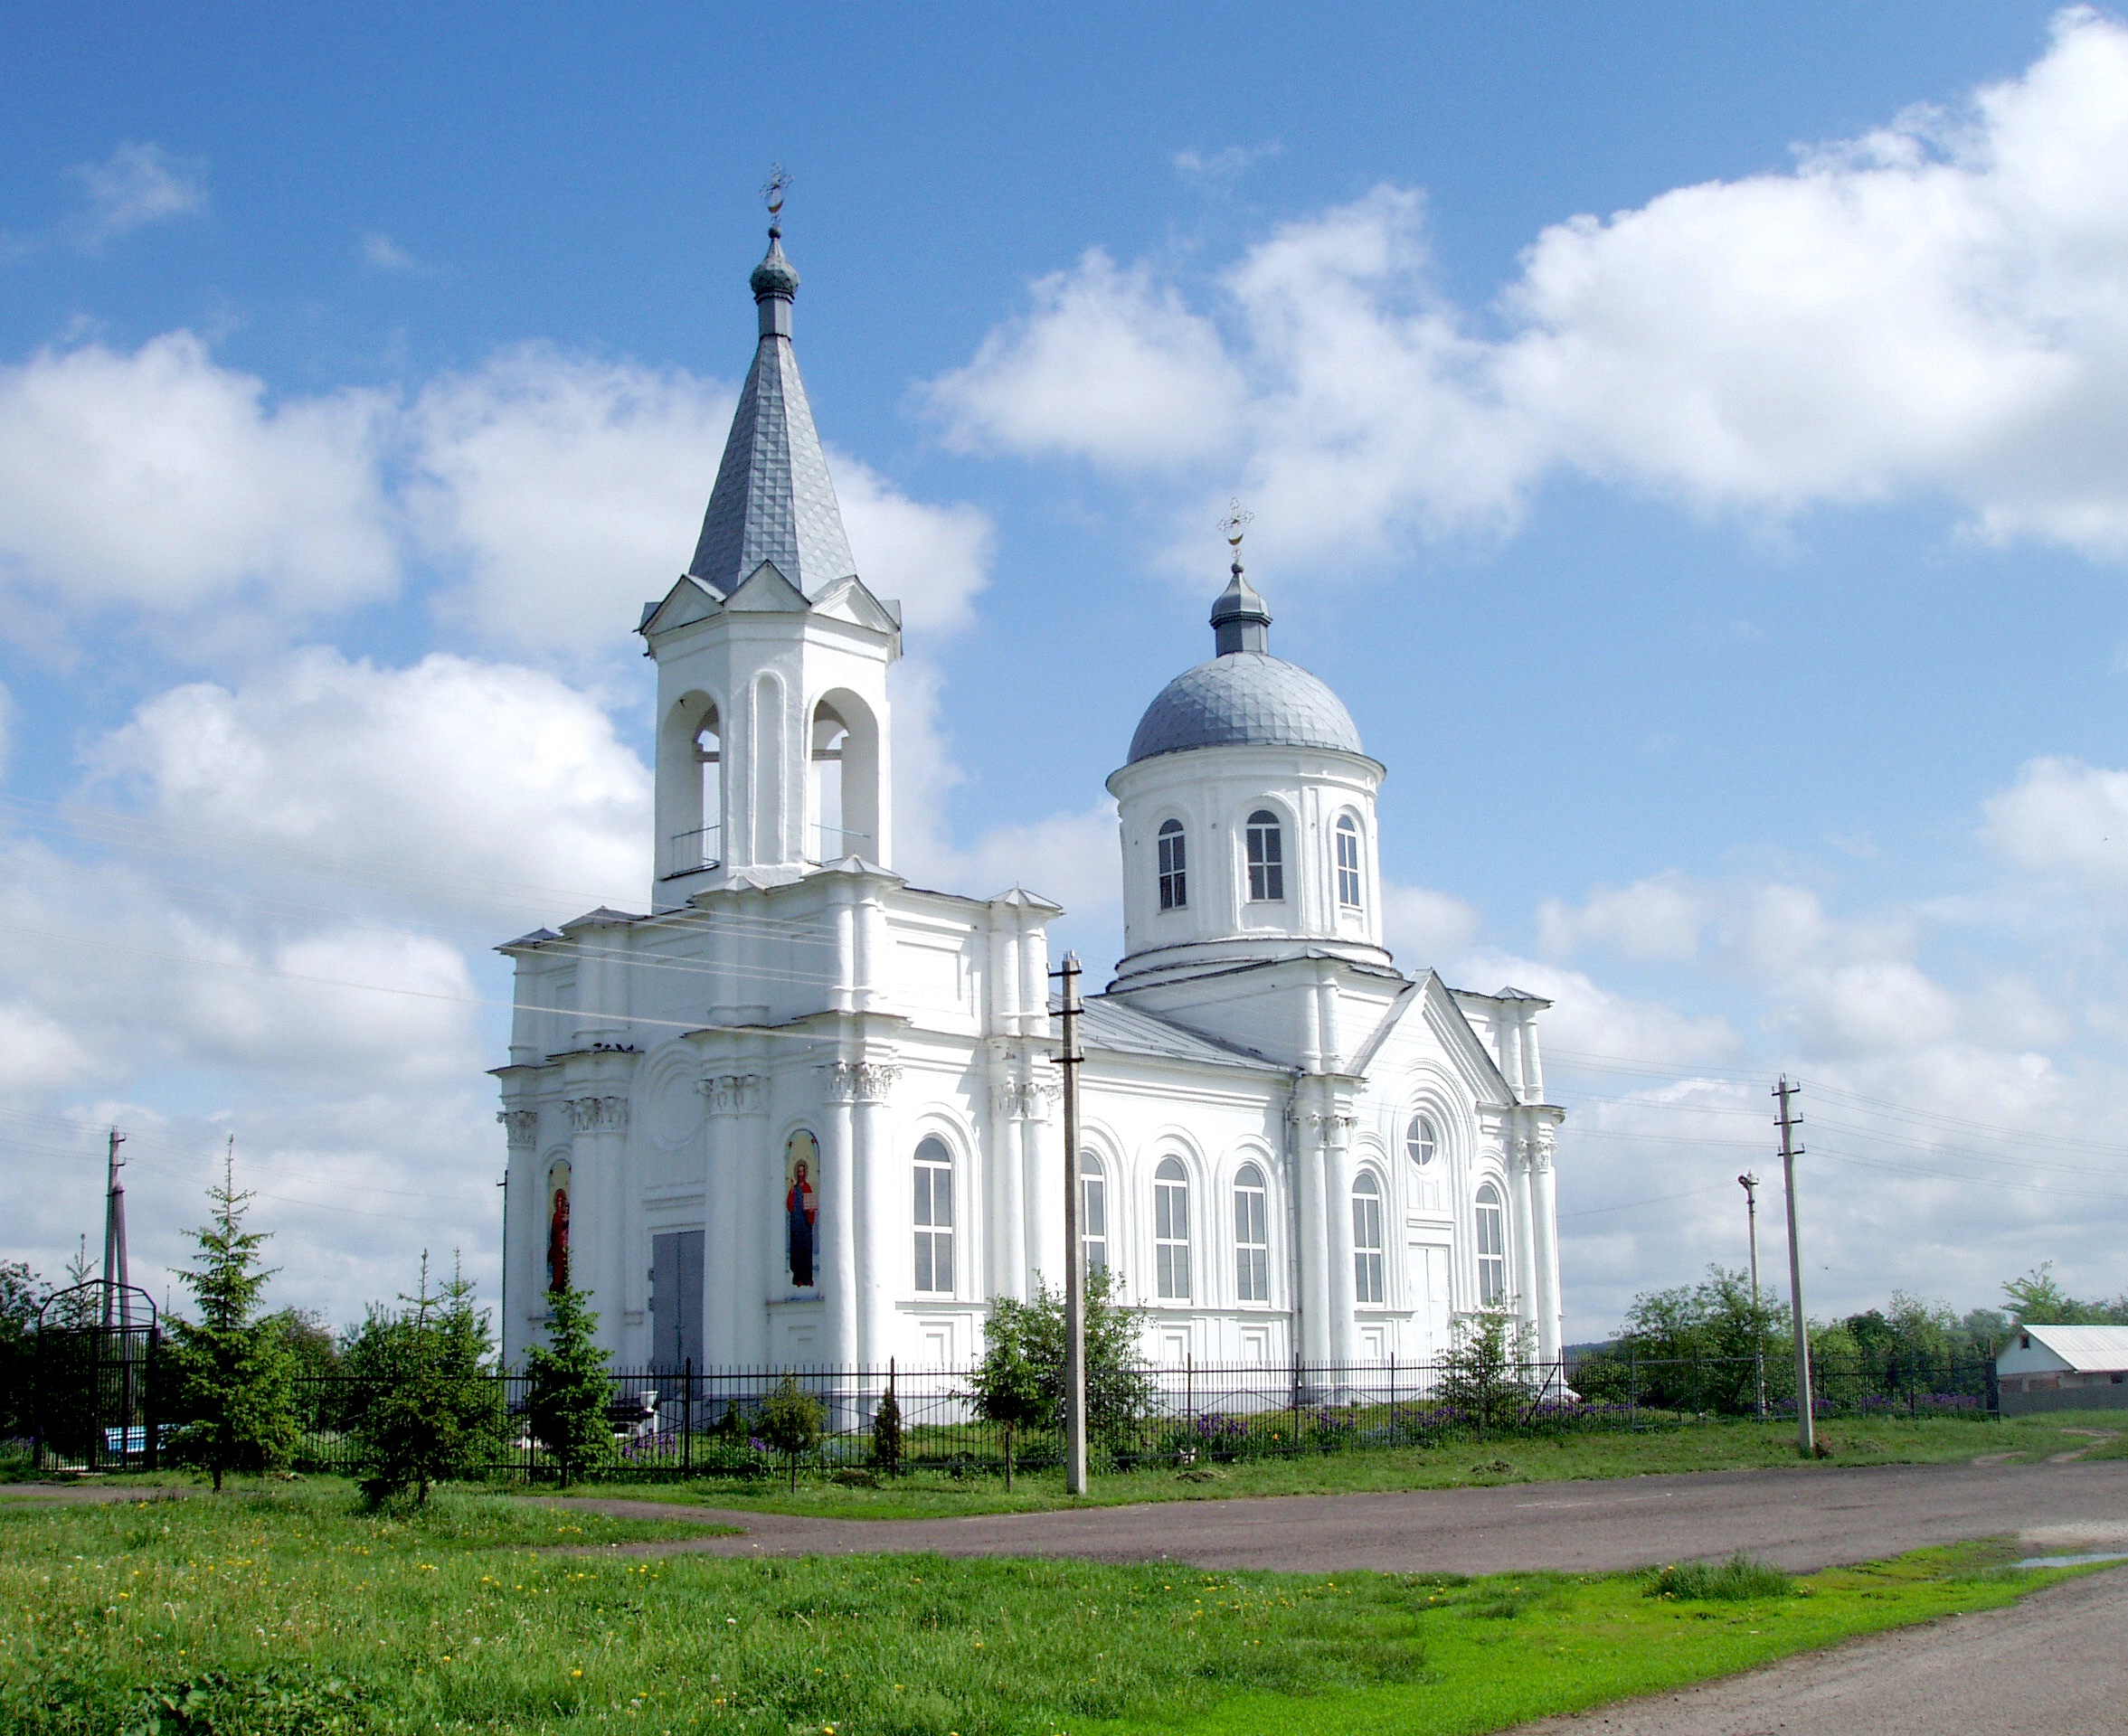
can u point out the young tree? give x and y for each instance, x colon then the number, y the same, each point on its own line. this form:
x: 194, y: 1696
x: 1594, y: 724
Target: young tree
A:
x: 789, y: 1422
x: 22, y: 1294
x: 2037, y: 1301
x: 230, y: 1364
x: 1007, y: 1389
x: 1485, y: 1374
x: 887, y: 1431
x: 1119, y: 1384
x: 426, y: 1406
x: 569, y: 1388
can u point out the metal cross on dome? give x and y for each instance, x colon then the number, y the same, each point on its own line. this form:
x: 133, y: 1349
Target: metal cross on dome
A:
x: 1237, y: 521
x: 774, y: 189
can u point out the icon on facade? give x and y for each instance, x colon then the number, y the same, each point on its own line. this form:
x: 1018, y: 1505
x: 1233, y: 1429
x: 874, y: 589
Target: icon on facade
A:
x: 558, y: 1227
x: 801, y: 1206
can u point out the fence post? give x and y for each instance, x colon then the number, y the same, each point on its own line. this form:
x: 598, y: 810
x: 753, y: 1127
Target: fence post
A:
x: 148, y: 1379
x: 686, y: 1415
x: 1633, y: 1387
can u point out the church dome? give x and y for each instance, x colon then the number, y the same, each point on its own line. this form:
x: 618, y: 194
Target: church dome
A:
x: 1244, y: 699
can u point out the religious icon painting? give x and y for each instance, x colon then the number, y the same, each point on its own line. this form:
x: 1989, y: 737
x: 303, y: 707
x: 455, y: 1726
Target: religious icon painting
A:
x: 801, y: 1208
x: 557, y: 1224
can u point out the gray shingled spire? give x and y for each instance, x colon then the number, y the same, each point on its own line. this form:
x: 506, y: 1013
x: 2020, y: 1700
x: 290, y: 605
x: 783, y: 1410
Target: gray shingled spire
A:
x: 772, y: 499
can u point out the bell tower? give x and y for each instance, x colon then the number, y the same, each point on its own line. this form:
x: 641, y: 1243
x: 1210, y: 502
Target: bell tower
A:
x: 773, y: 727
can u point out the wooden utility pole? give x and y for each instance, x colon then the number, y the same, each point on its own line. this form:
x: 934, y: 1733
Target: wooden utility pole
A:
x: 1806, y: 1420
x: 1075, y: 1254
x: 1749, y: 1183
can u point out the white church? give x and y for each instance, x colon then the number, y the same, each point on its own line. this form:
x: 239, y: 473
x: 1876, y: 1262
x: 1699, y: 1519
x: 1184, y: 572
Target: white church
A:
x: 804, y: 1114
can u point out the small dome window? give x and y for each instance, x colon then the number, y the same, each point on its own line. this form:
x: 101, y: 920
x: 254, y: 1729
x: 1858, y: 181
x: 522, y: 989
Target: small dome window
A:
x: 1422, y: 1142
x: 1174, y: 866
x: 1267, y: 858
x: 1349, y: 881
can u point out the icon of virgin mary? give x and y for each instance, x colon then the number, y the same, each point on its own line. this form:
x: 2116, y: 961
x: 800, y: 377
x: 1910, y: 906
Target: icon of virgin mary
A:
x: 558, y: 1237
x: 801, y: 1207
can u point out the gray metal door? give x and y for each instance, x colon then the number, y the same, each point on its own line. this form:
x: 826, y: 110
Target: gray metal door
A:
x: 675, y: 1300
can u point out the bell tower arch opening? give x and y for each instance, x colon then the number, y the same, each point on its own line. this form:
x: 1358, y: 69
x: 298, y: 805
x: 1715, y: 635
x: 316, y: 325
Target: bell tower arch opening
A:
x: 843, y: 800
x: 690, y: 786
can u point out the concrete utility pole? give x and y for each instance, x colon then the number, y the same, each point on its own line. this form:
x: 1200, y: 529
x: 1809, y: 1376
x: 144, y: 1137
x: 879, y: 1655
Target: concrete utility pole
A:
x: 1806, y: 1420
x: 1075, y: 1254
x: 1749, y: 1183
x: 118, y: 1302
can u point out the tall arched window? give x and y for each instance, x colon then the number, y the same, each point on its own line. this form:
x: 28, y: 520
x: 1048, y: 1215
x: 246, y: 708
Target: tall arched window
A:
x: 1348, y: 862
x: 1367, y: 1238
x: 935, y: 1216
x: 1171, y: 1230
x: 1267, y: 858
x: 1492, y: 1248
x: 1174, y: 874
x: 1422, y: 1143
x: 1251, y: 1236
x: 1093, y: 1210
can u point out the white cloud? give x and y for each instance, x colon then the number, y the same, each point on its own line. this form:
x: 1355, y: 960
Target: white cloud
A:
x: 164, y: 483
x: 1109, y: 366
x: 1651, y: 919
x: 380, y: 252
x: 2062, y: 817
x: 135, y: 185
x: 1427, y: 930
x: 474, y: 785
x: 568, y: 491
x: 1932, y: 309
x: 1226, y: 165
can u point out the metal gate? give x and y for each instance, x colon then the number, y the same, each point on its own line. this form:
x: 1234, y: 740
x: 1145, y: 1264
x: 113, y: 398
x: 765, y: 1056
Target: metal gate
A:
x: 96, y: 1381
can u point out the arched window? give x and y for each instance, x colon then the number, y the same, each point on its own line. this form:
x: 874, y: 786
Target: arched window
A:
x: 1348, y: 862
x: 935, y: 1216
x: 1171, y: 1230
x: 1093, y: 1210
x: 1492, y: 1249
x: 1252, y: 1237
x: 1174, y: 874
x: 1422, y: 1144
x: 1267, y: 858
x: 1366, y: 1237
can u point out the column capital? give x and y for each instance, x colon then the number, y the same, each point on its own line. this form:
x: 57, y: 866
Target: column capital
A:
x: 862, y: 1081
x: 606, y: 1114
x: 520, y: 1127
x: 732, y: 1093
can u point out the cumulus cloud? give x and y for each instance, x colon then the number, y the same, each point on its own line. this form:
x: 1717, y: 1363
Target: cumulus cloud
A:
x: 1651, y: 919
x: 162, y: 483
x: 1931, y: 309
x: 380, y: 252
x: 567, y: 492
x: 135, y: 185
x: 1427, y: 930
x: 477, y: 786
x: 2062, y: 817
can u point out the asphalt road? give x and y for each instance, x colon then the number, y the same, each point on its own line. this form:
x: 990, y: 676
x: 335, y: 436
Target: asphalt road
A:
x: 1801, y: 1519
x: 2053, y: 1664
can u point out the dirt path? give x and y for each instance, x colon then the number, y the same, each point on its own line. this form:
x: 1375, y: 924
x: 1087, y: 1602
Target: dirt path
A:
x: 2056, y: 1662
x: 1801, y: 1519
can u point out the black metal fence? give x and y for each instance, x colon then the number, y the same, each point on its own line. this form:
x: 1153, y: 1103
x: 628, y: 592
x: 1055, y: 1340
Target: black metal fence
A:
x: 95, y: 1401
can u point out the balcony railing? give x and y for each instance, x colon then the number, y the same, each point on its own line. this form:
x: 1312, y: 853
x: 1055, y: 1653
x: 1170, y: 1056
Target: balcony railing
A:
x: 692, y: 851
x: 833, y: 843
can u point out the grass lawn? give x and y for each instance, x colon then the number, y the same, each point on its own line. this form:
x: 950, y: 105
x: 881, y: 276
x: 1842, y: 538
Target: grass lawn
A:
x: 286, y: 1612
x: 1698, y: 1446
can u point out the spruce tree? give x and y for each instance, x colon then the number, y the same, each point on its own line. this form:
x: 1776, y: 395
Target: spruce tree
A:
x: 234, y: 1385
x: 426, y: 1405
x: 569, y: 1388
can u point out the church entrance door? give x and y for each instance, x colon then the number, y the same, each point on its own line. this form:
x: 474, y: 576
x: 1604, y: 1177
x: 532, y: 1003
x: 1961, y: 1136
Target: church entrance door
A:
x: 675, y: 1301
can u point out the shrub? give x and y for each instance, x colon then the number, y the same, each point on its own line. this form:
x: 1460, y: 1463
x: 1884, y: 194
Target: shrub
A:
x: 1119, y: 1385
x: 1738, y: 1579
x: 1484, y: 1374
x: 789, y: 1423
x: 1008, y: 1390
x: 886, y: 1432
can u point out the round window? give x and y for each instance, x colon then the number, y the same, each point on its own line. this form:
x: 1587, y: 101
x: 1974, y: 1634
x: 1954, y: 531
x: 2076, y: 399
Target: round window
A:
x: 1420, y: 1140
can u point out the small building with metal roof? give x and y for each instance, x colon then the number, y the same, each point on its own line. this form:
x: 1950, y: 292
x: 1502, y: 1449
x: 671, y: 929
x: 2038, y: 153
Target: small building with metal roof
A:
x: 2063, y: 1368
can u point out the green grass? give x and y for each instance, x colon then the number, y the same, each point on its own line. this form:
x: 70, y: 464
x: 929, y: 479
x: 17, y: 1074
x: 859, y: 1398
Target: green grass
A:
x: 288, y: 1612
x: 1697, y: 1446
x: 1739, y: 1580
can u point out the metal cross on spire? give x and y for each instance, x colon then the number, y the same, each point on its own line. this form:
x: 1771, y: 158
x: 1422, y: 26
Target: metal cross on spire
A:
x: 772, y: 192
x: 1233, y: 526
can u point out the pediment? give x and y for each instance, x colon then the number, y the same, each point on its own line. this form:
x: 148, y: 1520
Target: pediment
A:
x: 1452, y: 1028
x: 765, y: 590
x: 688, y: 601
x: 849, y: 599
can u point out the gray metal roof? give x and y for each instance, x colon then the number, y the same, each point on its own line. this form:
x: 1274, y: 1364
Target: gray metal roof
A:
x: 773, y: 500
x: 1244, y: 699
x: 1114, y: 1028
x: 2089, y: 1350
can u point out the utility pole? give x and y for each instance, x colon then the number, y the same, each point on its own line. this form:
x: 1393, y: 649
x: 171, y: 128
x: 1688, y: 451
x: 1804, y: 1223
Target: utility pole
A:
x: 1806, y: 1421
x: 1075, y: 1254
x: 118, y: 1303
x: 1749, y: 1183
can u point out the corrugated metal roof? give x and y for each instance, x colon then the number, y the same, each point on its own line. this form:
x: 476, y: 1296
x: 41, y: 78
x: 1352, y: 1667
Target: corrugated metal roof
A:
x: 2089, y: 1350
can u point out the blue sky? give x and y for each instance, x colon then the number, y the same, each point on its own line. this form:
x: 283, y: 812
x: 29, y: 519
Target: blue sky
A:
x: 1688, y: 439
